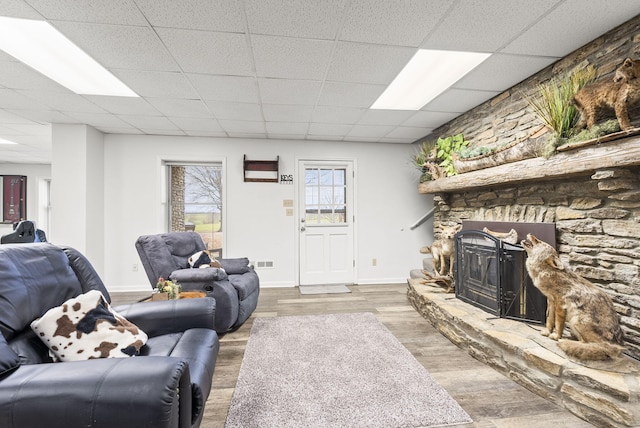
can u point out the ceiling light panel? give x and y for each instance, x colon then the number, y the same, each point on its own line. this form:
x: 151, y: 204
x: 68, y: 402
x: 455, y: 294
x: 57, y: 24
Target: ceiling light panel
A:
x: 42, y: 47
x: 428, y: 74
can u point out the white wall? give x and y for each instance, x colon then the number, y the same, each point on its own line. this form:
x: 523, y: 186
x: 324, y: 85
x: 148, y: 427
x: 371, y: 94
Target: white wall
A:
x: 256, y: 224
x: 77, y: 200
x: 35, y: 173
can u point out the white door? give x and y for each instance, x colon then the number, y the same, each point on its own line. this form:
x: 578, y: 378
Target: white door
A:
x: 325, y: 222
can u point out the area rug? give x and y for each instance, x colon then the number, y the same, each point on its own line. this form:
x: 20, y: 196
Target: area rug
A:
x: 340, y: 370
x: 323, y: 289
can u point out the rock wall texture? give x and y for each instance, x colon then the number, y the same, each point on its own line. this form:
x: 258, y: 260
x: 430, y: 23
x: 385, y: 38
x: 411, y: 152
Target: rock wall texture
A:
x: 597, y: 215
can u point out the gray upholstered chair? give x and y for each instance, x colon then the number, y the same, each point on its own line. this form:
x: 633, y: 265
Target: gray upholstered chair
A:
x: 235, y: 286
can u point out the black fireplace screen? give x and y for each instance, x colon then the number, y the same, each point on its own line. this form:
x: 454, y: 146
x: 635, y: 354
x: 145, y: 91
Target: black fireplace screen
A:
x: 491, y: 274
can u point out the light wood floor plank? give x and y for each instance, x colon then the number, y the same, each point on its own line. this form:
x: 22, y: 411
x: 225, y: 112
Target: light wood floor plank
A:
x: 491, y: 399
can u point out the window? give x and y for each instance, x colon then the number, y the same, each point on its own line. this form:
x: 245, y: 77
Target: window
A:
x: 195, y: 202
x: 326, y: 190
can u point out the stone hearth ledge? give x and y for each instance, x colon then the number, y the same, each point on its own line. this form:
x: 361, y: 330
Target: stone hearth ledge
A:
x: 603, y: 393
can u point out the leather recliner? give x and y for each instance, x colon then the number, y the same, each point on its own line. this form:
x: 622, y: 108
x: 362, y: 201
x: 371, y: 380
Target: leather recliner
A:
x: 235, y: 287
x: 24, y: 232
x: 167, y: 385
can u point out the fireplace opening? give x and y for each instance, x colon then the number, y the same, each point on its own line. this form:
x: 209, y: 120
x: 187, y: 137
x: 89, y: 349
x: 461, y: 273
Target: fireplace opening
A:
x: 491, y: 273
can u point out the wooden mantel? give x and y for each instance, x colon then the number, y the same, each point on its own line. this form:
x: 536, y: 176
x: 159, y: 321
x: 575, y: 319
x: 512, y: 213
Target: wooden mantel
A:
x: 623, y: 152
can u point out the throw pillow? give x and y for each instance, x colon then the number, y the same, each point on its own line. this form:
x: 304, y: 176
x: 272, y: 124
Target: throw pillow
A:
x: 202, y: 259
x: 86, y: 327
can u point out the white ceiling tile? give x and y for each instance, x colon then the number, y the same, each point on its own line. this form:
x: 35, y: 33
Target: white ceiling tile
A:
x: 219, y: 15
x: 369, y: 131
x: 109, y: 130
x: 349, y: 94
x: 100, y: 120
x: 396, y: 140
x: 362, y: 139
x: 295, y: 18
x: 28, y: 130
x: 208, y: 52
x: 196, y: 124
x: 16, y: 75
x: 99, y: 11
x: 288, y: 91
x: 148, y: 122
x: 287, y: 128
x: 225, y: 88
x: 385, y: 117
x: 357, y: 62
x: 18, y: 9
x: 324, y: 138
x: 157, y: 83
x: 206, y: 134
x: 235, y: 111
x: 252, y: 135
x: 301, y: 59
x: 11, y: 99
x: 392, y: 22
x: 459, y: 100
x: 500, y: 72
x: 477, y: 21
x: 285, y: 69
x: 6, y: 117
x: 337, y: 114
x: 286, y: 113
x: 162, y: 131
x: 329, y: 129
x: 408, y: 132
x: 124, y: 105
x: 63, y: 101
x: 573, y: 25
x: 428, y: 119
x: 180, y: 108
x: 120, y: 46
x: 242, y: 126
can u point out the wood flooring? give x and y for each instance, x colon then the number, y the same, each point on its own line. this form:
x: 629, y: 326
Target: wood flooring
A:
x: 490, y: 398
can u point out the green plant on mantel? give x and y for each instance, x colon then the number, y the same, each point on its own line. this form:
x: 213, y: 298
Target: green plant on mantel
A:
x: 446, y: 148
x: 555, y: 105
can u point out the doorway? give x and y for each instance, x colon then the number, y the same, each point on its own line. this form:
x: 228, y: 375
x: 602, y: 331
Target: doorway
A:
x: 326, y: 222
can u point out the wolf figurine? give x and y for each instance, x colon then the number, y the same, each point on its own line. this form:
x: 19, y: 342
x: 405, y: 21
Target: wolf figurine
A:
x: 587, y: 310
x: 442, y: 250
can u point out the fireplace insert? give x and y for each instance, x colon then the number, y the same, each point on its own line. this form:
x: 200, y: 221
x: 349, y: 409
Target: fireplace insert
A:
x: 491, y: 274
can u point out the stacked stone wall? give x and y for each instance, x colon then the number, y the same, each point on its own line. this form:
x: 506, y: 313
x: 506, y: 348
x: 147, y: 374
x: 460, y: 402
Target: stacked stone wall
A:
x: 597, y: 216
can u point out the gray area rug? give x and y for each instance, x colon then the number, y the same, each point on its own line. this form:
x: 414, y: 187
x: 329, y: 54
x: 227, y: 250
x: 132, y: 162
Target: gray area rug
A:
x: 323, y: 289
x: 341, y: 370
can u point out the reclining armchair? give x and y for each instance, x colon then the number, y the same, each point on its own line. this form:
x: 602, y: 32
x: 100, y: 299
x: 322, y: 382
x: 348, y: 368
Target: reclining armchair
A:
x: 165, y: 385
x: 235, y: 286
x: 24, y: 232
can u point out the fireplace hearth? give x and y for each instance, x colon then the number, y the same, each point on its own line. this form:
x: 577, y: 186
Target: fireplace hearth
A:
x: 491, y: 274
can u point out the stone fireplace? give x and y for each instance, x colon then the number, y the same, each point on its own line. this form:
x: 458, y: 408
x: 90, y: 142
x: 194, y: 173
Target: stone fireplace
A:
x: 490, y: 273
x: 591, y: 192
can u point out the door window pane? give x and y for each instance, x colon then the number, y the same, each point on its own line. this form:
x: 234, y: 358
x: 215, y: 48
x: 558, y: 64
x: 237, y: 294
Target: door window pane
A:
x: 325, y: 190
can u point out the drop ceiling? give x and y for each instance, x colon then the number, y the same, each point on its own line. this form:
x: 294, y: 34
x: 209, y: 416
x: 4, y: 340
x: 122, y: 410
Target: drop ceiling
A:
x: 281, y: 69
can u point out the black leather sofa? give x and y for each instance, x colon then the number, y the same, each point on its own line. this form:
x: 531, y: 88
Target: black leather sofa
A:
x: 236, y: 287
x: 167, y: 385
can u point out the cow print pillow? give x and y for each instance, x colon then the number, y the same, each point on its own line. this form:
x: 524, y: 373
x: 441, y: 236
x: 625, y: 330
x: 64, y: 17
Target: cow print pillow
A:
x: 86, y: 327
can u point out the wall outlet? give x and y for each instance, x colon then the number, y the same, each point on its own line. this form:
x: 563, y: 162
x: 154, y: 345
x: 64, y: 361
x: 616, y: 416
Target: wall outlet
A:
x: 374, y: 262
x: 134, y: 267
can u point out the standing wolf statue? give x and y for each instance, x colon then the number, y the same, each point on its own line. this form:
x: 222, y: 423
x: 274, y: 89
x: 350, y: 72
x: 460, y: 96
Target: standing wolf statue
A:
x: 587, y: 310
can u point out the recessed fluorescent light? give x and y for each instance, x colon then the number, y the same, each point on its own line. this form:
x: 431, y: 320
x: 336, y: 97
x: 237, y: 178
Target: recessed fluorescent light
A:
x: 6, y: 141
x: 428, y: 74
x: 42, y: 47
